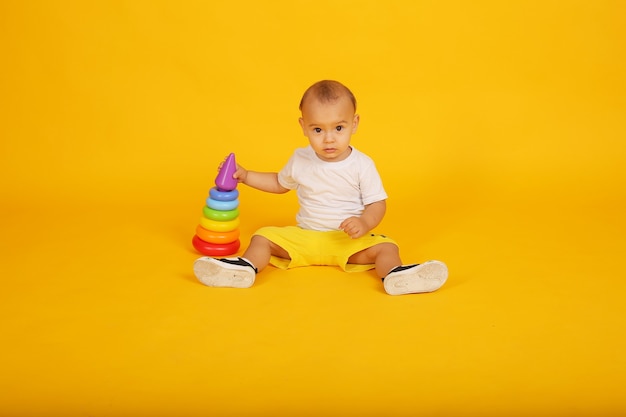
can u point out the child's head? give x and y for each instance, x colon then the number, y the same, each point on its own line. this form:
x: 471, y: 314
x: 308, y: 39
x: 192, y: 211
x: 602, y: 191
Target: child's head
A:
x: 327, y: 91
x: 329, y: 119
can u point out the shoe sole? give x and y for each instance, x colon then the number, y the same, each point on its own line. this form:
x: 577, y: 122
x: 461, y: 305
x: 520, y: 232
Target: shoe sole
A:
x: 427, y: 277
x: 214, y: 273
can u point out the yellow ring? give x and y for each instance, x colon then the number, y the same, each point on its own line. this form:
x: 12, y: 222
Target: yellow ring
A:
x: 217, y: 226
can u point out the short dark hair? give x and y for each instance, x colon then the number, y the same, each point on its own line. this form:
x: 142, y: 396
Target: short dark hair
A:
x: 327, y: 91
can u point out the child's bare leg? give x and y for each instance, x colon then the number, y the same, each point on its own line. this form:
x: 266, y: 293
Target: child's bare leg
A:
x: 260, y: 251
x: 384, y: 255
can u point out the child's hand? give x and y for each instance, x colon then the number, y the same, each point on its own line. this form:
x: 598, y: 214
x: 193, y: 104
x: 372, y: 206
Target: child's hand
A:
x: 354, y: 227
x: 240, y: 174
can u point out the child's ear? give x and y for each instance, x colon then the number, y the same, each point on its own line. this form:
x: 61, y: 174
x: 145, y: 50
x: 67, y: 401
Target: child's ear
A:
x: 355, y: 123
x: 301, y: 121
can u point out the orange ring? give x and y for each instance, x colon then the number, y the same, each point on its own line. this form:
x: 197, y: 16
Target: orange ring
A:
x: 217, y: 237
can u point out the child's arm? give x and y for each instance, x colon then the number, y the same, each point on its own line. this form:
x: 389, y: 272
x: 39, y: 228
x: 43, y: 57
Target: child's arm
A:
x: 373, y: 214
x: 264, y: 181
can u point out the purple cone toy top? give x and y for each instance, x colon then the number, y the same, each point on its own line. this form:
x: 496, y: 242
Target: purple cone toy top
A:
x: 224, y: 180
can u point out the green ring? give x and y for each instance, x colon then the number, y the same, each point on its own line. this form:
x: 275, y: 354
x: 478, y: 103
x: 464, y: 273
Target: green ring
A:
x: 220, y: 215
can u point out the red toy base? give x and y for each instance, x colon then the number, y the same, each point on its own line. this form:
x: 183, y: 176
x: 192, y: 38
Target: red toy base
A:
x: 215, y: 249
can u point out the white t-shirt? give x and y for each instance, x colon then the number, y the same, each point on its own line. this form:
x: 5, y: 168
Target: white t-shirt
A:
x: 330, y: 192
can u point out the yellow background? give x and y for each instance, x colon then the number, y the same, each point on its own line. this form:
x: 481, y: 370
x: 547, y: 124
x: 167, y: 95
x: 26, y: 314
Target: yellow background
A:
x: 498, y: 128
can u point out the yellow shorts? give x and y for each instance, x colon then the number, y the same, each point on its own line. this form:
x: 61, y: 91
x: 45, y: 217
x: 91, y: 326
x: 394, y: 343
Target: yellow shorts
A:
x: 312, y: 247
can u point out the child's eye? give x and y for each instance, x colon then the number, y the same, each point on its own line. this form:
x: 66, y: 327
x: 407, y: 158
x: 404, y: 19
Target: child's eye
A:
x: 339, y: 128
x: 317, y: 130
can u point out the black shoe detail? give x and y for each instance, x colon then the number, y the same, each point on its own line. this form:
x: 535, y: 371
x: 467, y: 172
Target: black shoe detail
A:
x: 402, y: 268
x: 240, y: 262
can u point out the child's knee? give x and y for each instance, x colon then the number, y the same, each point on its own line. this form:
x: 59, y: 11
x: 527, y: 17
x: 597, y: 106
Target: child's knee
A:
x: 387, y: 248
x: 259, y: 241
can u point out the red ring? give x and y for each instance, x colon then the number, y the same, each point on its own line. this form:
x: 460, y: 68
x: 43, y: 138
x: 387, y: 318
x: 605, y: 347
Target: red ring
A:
x: 215, y: 249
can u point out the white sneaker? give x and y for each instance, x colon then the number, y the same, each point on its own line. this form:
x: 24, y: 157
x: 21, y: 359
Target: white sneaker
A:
x: 227, y: 272
x: 418, y: 278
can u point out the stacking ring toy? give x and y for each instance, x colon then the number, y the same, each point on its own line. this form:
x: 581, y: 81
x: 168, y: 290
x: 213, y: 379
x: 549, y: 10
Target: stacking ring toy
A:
x: 220, y: 215
x: 221, y: 195
x: 213, y: 249
x: 217, y: 237
x: 219, y: 226
x: 222, y: 205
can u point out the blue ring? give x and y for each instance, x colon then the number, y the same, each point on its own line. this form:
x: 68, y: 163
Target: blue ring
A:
x: 220, y: 195
x: 222, y: 205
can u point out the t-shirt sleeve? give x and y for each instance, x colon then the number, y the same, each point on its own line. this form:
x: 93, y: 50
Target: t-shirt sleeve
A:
x: 285, y: 175
x: 372, y: 189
